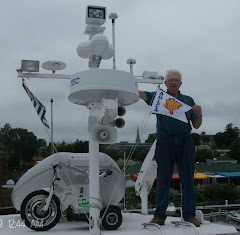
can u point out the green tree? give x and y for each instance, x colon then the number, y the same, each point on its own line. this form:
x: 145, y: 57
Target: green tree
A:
x: 196, y: 138
x: 80, y: 146
x: 219, y: 193
x: 19, y: 144
x: 63, y: 147
x: 231, y: 133
x: 203, y: 154
x: 224, y: 140
x: 204, y: 138
x: 4, y: 137
x: 74, y: 147
x: 235, y: 149
x: 141, y: 154
x: 41, y: 143
x: 113, y: 153
x: 220, y: 140
x: 151, y: 138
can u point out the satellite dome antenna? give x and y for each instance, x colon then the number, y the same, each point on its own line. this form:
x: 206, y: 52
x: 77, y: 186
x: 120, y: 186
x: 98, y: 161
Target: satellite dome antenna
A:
x: 53, y: 65
x: 131, y: 62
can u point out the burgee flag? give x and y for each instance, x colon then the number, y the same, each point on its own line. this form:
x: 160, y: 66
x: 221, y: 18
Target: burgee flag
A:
x: 40, y: 108
x: 167, y: 105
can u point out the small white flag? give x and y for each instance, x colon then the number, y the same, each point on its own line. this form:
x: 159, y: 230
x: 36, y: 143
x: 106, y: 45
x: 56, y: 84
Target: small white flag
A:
x: 167, y: 105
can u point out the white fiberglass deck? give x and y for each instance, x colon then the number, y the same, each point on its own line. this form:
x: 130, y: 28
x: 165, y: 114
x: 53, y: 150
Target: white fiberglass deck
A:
x: 11, y: 224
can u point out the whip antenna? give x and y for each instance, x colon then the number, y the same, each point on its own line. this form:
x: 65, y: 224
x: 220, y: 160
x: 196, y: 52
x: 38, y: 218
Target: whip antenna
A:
x: 113, y: 17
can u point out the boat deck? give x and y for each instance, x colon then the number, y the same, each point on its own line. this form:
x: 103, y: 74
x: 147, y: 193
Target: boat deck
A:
x: 132, y: 224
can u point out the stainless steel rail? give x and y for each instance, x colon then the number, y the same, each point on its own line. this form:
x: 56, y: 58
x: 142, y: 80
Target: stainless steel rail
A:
x: 145, y: 225
x: 183, y: 223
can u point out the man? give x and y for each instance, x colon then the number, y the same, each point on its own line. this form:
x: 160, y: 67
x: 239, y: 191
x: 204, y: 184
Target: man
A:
x: 175, y: 144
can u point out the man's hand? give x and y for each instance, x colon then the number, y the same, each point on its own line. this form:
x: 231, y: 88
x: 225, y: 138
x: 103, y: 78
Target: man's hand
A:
x: 197, y: 109
x: 142, y: 95
x: 198, y: 120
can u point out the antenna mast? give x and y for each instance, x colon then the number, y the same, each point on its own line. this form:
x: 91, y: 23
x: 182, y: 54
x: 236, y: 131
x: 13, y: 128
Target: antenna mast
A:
x: 113, y: 17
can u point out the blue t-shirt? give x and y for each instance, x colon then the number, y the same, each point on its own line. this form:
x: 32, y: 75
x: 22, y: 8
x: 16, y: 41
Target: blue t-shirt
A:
x: 167, y: 124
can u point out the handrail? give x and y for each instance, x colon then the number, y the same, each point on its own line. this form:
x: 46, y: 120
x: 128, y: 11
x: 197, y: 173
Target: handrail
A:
x: 184, y: 223
x: 156, y: 225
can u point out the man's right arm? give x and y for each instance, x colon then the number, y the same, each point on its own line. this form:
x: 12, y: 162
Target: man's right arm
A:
x: 143, y: 96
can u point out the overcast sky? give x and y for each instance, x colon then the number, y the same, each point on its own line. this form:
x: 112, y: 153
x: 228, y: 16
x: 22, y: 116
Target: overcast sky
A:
x: 199, y: 38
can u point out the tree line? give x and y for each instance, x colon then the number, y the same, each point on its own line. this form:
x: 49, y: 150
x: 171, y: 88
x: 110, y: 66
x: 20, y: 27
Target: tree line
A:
x: 229, y: 139
x: 22, y: 146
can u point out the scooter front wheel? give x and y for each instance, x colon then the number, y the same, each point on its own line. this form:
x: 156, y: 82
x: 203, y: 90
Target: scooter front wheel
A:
x: 112, y: 218
x: 33, y: 215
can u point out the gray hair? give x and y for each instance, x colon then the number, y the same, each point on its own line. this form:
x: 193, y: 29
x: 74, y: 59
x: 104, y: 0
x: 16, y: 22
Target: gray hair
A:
x: 174, y: 71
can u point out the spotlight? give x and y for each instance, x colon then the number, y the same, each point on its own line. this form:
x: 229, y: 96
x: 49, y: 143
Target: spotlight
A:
x: 30, y: 66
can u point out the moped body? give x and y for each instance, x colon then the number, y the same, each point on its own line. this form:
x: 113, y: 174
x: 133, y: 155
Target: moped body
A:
x: 60, y: 184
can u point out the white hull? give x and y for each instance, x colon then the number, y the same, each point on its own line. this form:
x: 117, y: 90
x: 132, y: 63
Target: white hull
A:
x: 132, y: 225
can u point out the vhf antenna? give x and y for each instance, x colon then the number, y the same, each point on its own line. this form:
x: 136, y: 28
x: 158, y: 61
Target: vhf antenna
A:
x: 113, y: 17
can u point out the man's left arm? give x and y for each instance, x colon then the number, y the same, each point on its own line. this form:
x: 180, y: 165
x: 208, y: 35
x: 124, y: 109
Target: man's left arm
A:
x: 196, y: 122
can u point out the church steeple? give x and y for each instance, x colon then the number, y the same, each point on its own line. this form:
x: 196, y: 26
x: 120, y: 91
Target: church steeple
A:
x: 138, y: 140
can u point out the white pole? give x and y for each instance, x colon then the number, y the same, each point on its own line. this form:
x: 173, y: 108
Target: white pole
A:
x: 124, y: 174
x: 94, y: 188
x: 52, y: 151
x: 113, y: 37
x: 113, y: 17
x: 144, y: 198
x: 94, y: 195
x: 131, y: 68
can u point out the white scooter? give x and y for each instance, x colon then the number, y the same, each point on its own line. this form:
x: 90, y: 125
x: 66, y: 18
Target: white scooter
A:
x: 59, y: 185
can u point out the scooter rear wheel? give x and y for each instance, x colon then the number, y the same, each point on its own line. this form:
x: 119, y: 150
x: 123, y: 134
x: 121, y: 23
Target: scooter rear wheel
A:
x: 34, y: 217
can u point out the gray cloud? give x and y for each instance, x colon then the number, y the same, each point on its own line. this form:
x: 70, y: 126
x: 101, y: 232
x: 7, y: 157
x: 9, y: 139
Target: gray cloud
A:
x: 199, y: 38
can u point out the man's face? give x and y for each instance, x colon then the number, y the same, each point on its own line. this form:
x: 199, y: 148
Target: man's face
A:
x: 173, y: 83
